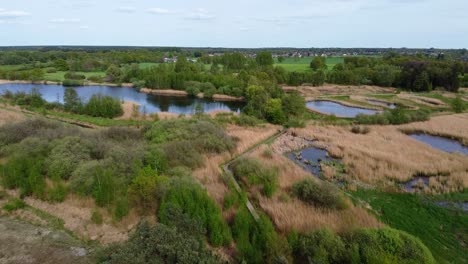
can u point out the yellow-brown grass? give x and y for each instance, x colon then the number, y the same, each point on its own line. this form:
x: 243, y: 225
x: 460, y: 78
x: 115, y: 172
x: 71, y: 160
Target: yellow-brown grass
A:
x: 296, y: 215
x: 431, y: 102
x: 76, y: 213
x: 387, y: 154
x: 455, y: 126
x: 333, y: 89
x: 210, y: 174
x: 7, y: 117
x: 291, y: 214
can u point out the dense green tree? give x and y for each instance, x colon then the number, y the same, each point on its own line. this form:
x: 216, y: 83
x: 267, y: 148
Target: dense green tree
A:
x: 72, y: 103
x: 318, y: 63
x: 264, y: 59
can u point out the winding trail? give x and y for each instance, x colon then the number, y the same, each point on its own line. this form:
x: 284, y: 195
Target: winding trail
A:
x: 226, y: 169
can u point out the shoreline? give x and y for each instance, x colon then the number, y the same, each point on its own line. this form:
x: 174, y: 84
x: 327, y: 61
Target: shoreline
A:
x: 160, y: 92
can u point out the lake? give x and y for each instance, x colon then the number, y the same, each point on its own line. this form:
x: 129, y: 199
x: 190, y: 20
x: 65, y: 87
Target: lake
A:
x: 441, y: 143
x: 148, y: 102
x: 339, y: 110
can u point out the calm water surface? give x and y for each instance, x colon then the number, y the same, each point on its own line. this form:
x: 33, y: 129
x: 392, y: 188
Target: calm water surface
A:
x: 337, y: 109
x: 444, y: 144
x: 148, y: 103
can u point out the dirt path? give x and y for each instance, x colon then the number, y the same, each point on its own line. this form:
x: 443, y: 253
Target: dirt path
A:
x: 21, y: 242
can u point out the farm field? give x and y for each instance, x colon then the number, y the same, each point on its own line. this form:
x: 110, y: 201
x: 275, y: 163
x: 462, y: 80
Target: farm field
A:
x: 303, y: 64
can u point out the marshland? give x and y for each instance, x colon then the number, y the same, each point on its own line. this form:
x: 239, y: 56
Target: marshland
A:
x: 235, y: 156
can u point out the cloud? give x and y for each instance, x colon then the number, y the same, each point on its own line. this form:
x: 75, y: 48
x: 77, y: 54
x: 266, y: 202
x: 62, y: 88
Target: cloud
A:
x: 126, y: 9
x: 65, y: 20
x: 159, y: 11
x: 84, y: 27
x: 11, y: 14
x: 200, y: 14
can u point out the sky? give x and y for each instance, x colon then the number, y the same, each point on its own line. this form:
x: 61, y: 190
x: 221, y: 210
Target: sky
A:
x: 239, y: 23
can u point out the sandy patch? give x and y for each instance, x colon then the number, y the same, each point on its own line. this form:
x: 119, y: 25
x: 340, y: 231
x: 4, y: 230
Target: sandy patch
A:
x: 223, y: 97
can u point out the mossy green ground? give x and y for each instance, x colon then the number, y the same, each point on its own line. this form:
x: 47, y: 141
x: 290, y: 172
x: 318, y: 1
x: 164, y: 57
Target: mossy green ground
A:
x: 444, y: 231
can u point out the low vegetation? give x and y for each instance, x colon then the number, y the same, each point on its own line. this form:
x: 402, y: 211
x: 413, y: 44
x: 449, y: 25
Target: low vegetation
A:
x: 254, y: 173
x: 322, y: 194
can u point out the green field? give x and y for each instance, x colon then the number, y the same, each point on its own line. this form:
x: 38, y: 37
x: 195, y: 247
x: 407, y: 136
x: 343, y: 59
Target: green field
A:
x: 146, y: 65
x: 302, y: 64
x: 443, y: 231
x: 59, y: 76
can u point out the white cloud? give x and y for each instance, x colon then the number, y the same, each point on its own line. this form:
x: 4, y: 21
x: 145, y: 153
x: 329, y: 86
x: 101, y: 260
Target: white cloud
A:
x: 200, y: 14
x: 65, y: 20
x: 126, y: 9
x: 159, y: 11
x: 10, y: 14
x: 84, y: 27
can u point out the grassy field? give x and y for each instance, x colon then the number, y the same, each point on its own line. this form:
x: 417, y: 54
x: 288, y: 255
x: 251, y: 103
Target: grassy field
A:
x: 60, y: 75
x: 443, y: 231
x: 302, y: 64
x: 146, y: 65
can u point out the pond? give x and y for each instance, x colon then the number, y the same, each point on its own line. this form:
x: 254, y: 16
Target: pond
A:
x: 148, y: 102
x: 328, y: 107
x: 416, y: 184
x: 441, y: 143
x: 310, y: 159
x: 382, y: 103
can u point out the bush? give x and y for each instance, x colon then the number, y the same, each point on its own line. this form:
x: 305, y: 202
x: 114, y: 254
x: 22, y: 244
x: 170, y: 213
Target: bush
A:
x: 258, y: 242
x: 193, y: 201
x: 384, y: 245
x: 246, y: 120
x: 256, y: 174
x: 57, y: 193
x: 103, y: 106
x: 14, y: 205
x: 74, y: 76
x: 96, y: 217
x: 159, y: 244
x: 395, y: 117
x: 360, y: 130
x: 319, y: 193
x: 68, y: 82
x: 67, y: 154
x: 458, y: 105
x: 96, y: 78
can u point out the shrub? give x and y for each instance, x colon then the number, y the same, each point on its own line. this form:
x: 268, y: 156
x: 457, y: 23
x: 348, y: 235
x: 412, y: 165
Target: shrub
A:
x: 121, y: 208
x: 14, y: 205
x: 104, y: 187
x: 256, y: 174
x: 96, y: 78
x: 458, y: 105
x: 159, y: 244
x: 360, y: 130
x: 246, y: 120
x: 67, y: 154
x: 319, y: 193
x: 384, y: 245
x: 57, y: 193
x: 258, y: 242
x: 74, y: 76
x: 103, y: 106
x: 143, y: 191
x: 68, y: 82
x: 96, y: 217
x: 193, y: 201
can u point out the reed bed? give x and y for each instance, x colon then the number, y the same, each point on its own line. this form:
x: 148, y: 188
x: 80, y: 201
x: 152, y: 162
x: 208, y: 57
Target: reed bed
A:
x: 453, y: 126
x: 386, y: 155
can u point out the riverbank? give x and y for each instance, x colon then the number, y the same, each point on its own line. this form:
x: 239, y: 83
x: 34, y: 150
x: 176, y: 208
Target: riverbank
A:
x: 86, y: 83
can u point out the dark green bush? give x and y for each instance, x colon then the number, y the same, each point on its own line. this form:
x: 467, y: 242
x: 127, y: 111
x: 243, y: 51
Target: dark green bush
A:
x: 160, y: 244
x: 384, y: 245
x: 319, y: 193
x: 395, y: 117
x: 194, y: 202
x: 258, y: 242
x: 14, y: 205
x: 68, y: 82
x: 57, y: 193
x: 103, y: 106
x: 74, y: 76
x: 256, y: 174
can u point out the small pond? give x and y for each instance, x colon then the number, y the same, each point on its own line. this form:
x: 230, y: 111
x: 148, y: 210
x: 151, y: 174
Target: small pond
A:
x: 417, y: 183
x: 382, y: 103
x: 453, y: 205
x: 310, y: 159
x: 444, y: 144
x: 332, y: 108
x: 149, y: 103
